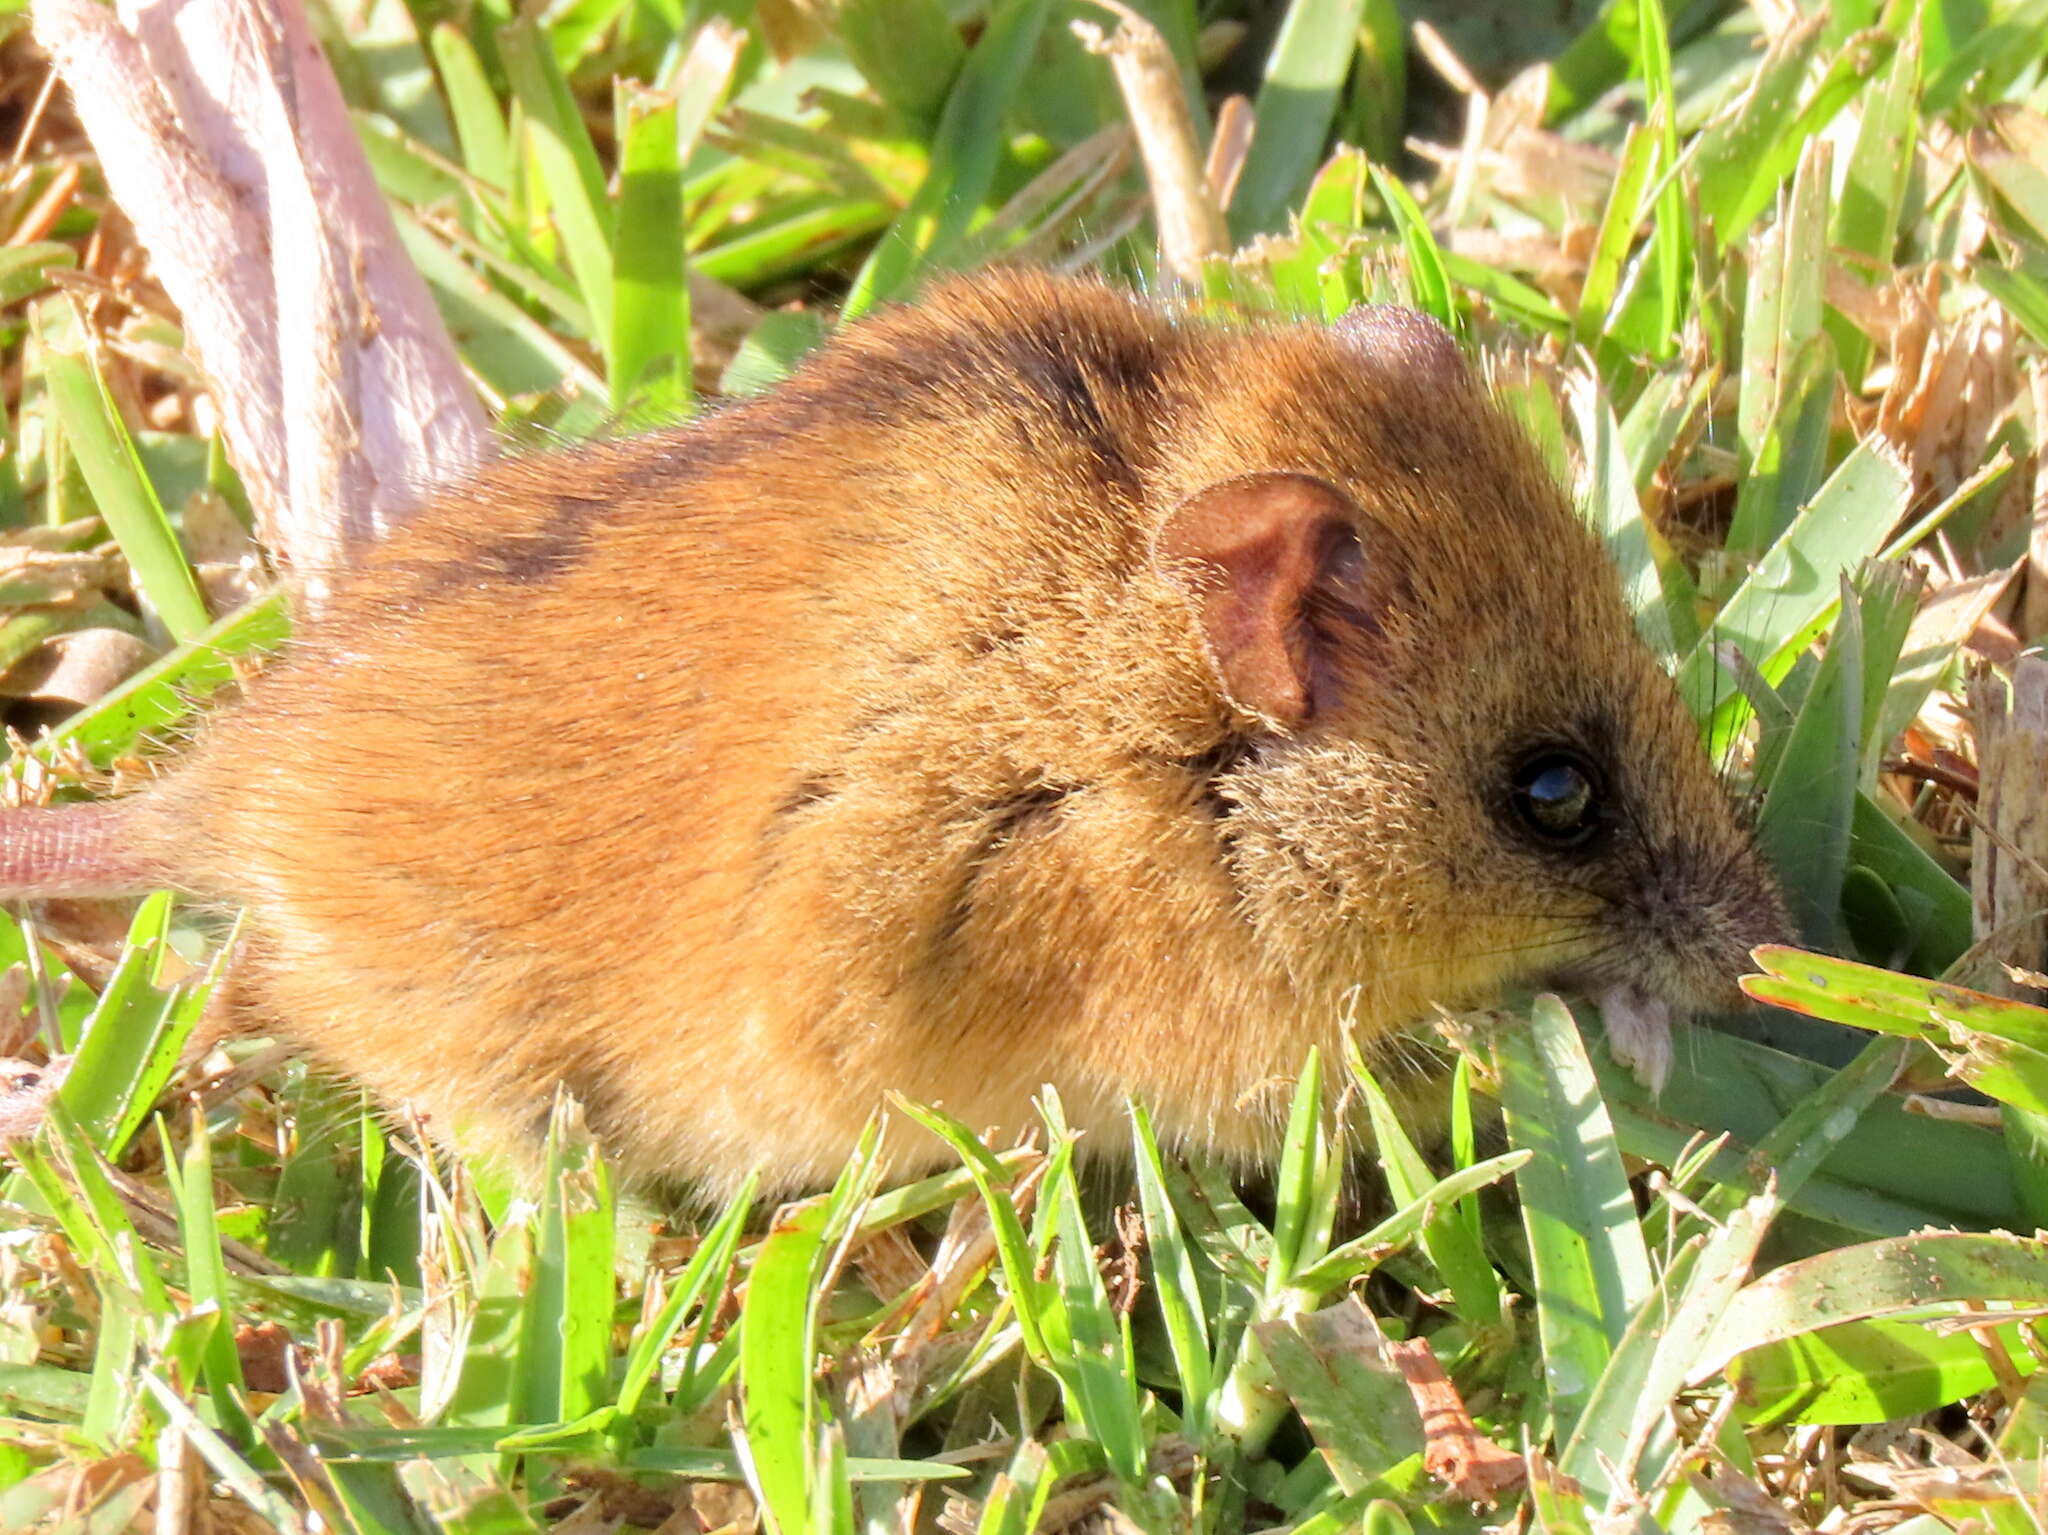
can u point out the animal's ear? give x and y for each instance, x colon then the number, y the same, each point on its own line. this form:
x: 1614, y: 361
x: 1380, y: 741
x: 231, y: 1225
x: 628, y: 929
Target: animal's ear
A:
x: 1273, y: 566
x: 1405, y: 341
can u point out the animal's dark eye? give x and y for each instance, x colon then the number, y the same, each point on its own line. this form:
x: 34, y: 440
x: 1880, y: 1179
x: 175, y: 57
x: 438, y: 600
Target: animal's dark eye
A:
x: 1556, y: 795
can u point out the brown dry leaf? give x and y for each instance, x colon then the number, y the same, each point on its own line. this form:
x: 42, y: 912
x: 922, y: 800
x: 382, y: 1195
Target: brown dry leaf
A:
x: 2011, y: 135
x: 264, y: 1350
x: 889, y: 1263
x: 1454, y: 1451
x: 1186, y: 211
x: 77, y: 667
x: 1874, y: 308
x: 722, y: 1506
x: 965, y: 1251
x: 211, y: 534
x: 301, y: 1463
x: 387, y: 1372
x: 1746, y: 1509
x: 87, y: 1487
x: 1951, y: 611
x: 2011, y: 843
x: 1122, y: 1262
x: 1937, y: 1489
x: 1532, y: 164
x: 1554, y: 265
x: 57, y: 537
x: 614, y: 1497
x: 1952, y: 381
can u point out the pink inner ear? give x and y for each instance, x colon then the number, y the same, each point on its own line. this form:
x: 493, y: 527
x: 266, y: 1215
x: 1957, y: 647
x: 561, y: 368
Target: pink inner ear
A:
x: 1252, y: 553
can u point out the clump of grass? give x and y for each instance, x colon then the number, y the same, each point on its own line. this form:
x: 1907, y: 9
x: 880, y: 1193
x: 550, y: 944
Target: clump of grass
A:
x: 1771, y: 286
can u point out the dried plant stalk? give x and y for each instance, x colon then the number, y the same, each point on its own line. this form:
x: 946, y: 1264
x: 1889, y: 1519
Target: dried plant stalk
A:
x: 223, y: 136
x: 2009, y: 864
x: 1191, y: 225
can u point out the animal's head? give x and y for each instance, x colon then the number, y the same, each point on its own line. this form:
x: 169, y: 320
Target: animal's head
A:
x: 1462, y: 768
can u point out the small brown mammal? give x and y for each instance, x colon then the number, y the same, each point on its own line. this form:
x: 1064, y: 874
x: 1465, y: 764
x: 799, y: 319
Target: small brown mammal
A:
x: 1032, y: 690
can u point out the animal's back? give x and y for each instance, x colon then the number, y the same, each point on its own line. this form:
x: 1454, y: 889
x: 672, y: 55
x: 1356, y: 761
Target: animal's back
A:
x: 1030, y: 691
x: 621, y: 761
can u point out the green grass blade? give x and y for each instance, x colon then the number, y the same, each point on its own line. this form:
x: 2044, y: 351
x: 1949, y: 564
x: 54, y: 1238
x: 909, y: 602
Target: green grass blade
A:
x: 1510, y: 297
x: 1788, y: 371
x: 1174, y: 1285
x: 170, y: 690
x: 1375, y: 106
x: 1876, y: 1279
x: 1671, y: 238
x: 1096, y: 1372
x: 1451, y: 1246
x: 1663, y: 614
x: 565, y: 1347
x: 1629, y: 1406
x: 1866, y: 215
x: 479, y: 122
x: 1617, y: 233
x: 1793, y: 589
x: 1294, y: 1195
x: 649, y: 350
x: 508, y: 349
x: 133, y: 1038
x: 1607, y: 53
x: 1358, y: 1410
x: 1592, y: 1272
x: 1740, y: 157
x: 206, y: 1275
x: 74, y: 1183
x: 123, y: 493
x: 1803, y: 827
x: 235, y: 1473
x: 1890, y: 1174
x: 1777, y: 149
x: 909, y: 50
x: 777, y: 1351
x: 992, y: 1181
x: 25, y: 269
x: 698, y: 1287
x: 1887, y: 597
x: 1810, y: 1131
x: 1936, y: 905
x: 1426, y: 271
x: 1296, y: 103
x: 568, y: 166
x: 315, y: 1222
x: 1875, y: 1371
x: 1361, y: 1254
x: 799, y: 241
x: 963, y: 157
x: 2022, y: 295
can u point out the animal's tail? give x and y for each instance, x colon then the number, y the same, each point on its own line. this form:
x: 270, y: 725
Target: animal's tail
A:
x: 110, y: 848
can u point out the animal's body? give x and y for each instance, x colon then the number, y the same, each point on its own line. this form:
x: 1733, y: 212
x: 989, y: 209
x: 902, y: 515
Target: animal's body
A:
x: 1033, y: 690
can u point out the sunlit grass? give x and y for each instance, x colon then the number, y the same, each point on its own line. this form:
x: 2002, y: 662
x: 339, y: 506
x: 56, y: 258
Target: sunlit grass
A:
x: 1770, y: 288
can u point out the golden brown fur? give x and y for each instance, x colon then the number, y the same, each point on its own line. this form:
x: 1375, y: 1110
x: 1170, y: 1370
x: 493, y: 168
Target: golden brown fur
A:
x: 855, y: 740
